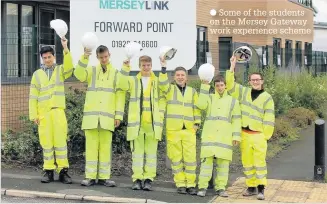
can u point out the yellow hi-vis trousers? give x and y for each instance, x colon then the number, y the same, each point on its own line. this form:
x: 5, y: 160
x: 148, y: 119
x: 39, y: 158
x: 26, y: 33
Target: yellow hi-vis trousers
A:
x: 145, y: 145
x: 253, y: 151
x: 53, y: 139
x: 222, y: 169
x: 98, y: 153
x: 181, y: 150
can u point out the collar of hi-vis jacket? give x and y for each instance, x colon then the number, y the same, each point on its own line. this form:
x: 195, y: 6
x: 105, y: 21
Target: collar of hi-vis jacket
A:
x: 152, y: 76
x: 44, y: 67
x: 218, y: 95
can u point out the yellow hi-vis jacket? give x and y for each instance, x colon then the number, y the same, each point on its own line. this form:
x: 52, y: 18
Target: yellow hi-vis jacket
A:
x: 133, y: 85
x: 46, y: 94
x: 258, y: 115
x: 181, y: 110
x: 222, y: 124
x: 105, y: 100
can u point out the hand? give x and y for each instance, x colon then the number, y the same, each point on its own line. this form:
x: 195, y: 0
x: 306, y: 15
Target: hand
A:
x: 232, y: 63
x: 87, y: 52
x: 195, y: 127
x: 163, y: 62
x: 236, y: 143
x: 64, y: 43
x: 117, y: 123
x: 205, y: 82
x: 37, y: 121
x: 127, y: 62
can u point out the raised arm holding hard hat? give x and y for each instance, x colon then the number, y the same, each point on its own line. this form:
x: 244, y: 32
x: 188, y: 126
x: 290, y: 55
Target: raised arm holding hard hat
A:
x: 47, y: 106
x: 258, y: 122
x: 183, y: 119
x: 103, y: 110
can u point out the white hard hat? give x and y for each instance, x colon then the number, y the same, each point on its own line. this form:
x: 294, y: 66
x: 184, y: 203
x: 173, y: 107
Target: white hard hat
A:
x: 89, y: 40
x: 167, y: 52
x: 132, y: 49
x: 59, y: 26
x: 206, y: 72
x: 243, y: 54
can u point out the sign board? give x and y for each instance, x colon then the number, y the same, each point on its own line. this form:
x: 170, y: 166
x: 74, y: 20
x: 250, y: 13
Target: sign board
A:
x: 153, y: 24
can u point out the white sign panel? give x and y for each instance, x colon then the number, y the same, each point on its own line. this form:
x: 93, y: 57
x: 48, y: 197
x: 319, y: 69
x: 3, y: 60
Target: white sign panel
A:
x: 153, y: 24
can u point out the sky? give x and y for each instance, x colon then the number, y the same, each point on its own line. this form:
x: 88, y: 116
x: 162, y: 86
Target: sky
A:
x: 321, y: 6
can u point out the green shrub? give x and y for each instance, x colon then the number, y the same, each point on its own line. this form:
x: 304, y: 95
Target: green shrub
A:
x: 301, y: 117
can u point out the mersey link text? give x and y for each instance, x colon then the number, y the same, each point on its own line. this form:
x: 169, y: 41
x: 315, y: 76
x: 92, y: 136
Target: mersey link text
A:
x: 133, y: 27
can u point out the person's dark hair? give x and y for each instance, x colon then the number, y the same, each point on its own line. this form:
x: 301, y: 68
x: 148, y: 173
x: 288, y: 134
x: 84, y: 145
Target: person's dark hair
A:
x: 180, y: 69
x: 219, y: 78
x: 47, y: 49
x: 256, y: 73
x: 102, y: 49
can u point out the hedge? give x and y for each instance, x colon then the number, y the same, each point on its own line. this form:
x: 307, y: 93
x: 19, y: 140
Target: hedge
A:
x: 298, y: 97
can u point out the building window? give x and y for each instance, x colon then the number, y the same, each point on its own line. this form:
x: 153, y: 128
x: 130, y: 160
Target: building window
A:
x: 225, y: 52
x: 298, y: 55
x: 17, y: 42
x: 288, y: 53
x: 277, y: 52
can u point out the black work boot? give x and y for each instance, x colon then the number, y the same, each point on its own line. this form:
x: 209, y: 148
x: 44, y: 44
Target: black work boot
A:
x: 191, y: 191
x: 88, y: 182
x: 106, y: 182
x: 137, y: 185
x: 64, y: 177
x: 261, y: 189
x: 147, y: 185
x: 250, y: 191
x: 181, y: 190
x: 47, y: 176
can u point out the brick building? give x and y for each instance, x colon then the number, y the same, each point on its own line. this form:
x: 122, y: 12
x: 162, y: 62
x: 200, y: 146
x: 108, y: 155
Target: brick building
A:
x: 25, y: 26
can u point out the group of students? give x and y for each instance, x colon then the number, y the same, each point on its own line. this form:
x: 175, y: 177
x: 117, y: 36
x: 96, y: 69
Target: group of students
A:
x: 234, y: 114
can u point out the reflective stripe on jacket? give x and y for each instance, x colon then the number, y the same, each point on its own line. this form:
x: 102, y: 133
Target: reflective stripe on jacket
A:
x: 105, y: 100
x: 180, y: 109
x: 134, y: 87
x: 46, y: 94
x: 222, y: 124
x: 258, y: 115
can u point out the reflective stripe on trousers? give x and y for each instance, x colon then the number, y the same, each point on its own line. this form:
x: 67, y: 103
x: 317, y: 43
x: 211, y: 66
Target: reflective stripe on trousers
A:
x: 53, y: 139
x: 144, y: 147
x: 181, y: 150
x: 253, y: 151
x: 98, y: 153
x: 222, y: 169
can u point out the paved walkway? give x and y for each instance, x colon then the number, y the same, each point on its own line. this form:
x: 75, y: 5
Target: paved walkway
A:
x: 279, y: 191
x: 297, y: 162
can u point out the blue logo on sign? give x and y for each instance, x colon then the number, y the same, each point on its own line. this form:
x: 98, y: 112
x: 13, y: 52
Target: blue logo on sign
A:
x: 133, y: 5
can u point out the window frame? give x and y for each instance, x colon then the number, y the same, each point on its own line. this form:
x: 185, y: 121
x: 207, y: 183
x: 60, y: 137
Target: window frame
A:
x: 37, y: 6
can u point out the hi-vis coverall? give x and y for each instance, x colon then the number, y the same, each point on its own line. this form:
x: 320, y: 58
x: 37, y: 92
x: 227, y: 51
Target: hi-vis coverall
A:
x: 259, y: 117
x: 222, y: 125
x: 104, y: 103
x: 145, y: 123
x: 47, y: 103
x: 181, y: 116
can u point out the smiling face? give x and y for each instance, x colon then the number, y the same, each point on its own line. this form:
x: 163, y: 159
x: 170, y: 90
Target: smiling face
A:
x: 180, y: 76
x: 220, y: 84
x: 48, y: 59
x: 220, y: 87
x: 103, y: 55
x: 256, y: 81
x: 145, y: 64
x: 47, y: 55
